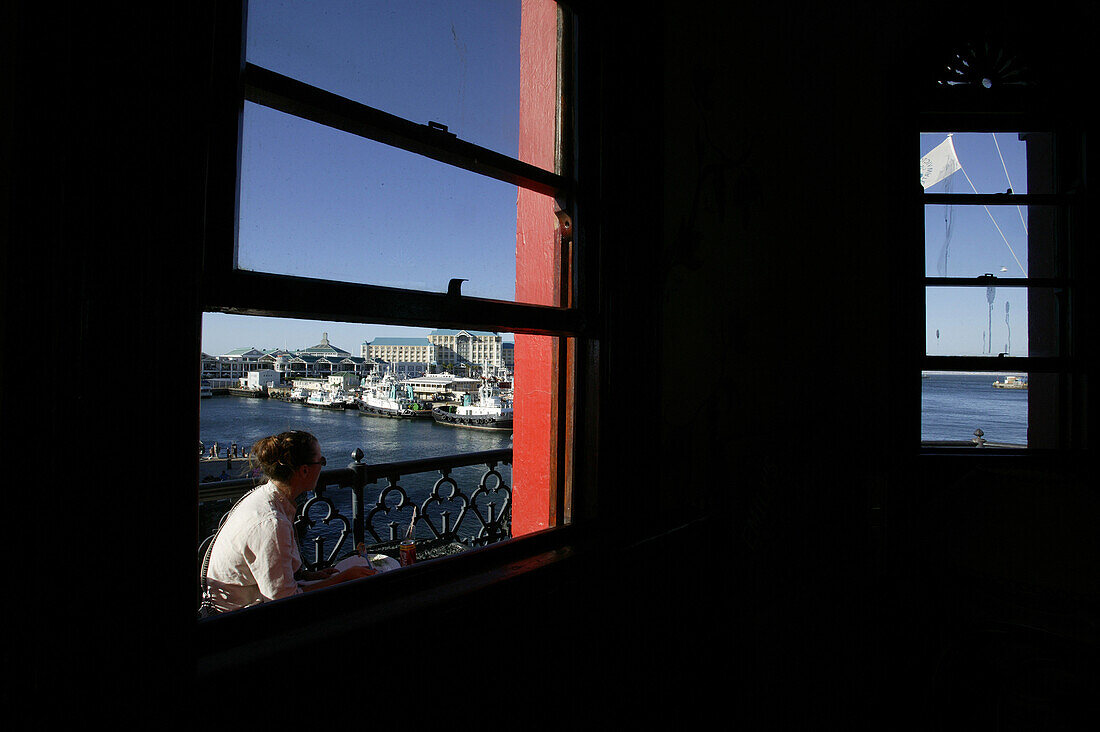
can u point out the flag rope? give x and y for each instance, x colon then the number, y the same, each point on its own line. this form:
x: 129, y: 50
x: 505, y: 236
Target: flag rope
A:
x: 988, y: 213
x: 1009, y: 179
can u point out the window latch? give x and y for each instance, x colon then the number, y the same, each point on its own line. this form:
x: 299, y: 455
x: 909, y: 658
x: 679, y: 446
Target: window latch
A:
x: 454, y: 287
x: 439, y: 127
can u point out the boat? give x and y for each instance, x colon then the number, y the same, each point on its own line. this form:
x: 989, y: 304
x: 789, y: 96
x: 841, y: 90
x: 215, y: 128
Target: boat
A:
x: 490, y: 412
x: 298, y: 394
x: 324, y: 399
x: 224, y: 463
x: 226, y: 468
x: 391, y: 399
x: 351, y: 401
x: 341, y: 399
x: 205, y: 390
x: 253, y: 392
x: 1011, y: 382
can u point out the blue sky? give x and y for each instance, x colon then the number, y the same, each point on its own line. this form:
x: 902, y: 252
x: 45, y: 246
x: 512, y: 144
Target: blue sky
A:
x: 968, y: 241
x: 322, y: 203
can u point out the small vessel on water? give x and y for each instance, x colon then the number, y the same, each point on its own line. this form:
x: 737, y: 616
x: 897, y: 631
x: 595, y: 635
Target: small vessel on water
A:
x: 491, y: 411
x: 324, y: 399
x: 391, y: 399
x: 298, y: 394
x: 1011, y: 382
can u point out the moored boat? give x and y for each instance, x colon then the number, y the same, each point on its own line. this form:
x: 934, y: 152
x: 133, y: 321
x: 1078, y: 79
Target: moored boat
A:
x: 1011, y: 382
x: 391, y: 399
x: 490, y: 412
x: 324, y: 399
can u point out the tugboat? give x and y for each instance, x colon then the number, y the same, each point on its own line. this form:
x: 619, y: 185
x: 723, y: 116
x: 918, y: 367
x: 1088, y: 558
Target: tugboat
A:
x: 491, y: 412
x: 390, y: 399
x: 324, y: 399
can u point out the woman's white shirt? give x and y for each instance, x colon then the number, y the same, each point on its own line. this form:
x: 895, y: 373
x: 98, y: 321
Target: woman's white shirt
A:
x: 256, y: 554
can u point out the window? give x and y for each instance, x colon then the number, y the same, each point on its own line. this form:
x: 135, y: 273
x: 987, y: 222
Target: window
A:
x: 998, y: 208
x: 345, y: 189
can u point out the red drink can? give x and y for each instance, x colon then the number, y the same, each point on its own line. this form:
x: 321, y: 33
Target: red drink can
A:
x: 408, y: 553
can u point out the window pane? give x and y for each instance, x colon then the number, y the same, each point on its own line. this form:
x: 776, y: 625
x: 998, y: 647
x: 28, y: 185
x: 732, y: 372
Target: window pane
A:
x: 959, y: 321
x: 454, y: 62
x: 235, y: 346
x: 954, y: 405
x: 984, y: 162
x: 1004, y: 241
x: 321, y: 203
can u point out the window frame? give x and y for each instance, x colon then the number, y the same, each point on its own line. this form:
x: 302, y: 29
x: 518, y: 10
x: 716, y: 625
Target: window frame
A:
x: 226, y: 289
x: 1061, y: 419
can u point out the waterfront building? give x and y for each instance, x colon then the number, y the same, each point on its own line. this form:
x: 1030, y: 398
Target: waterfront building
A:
x: 261, y: 379
x: 317, y: 361
x: 454, y: 348
x: 401, y: 355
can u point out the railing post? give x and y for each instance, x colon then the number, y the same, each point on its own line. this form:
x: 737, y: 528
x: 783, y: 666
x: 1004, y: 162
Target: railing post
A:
x: 358, y: 522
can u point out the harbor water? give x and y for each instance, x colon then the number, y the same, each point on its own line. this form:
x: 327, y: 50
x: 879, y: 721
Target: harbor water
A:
x: 954, y: 405
x: 230, y: 419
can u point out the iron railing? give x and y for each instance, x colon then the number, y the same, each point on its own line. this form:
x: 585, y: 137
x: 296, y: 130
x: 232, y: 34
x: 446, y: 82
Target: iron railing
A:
x: 450, y: 515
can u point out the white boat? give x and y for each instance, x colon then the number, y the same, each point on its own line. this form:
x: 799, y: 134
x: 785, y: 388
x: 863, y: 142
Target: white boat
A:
x: 298, y: 394
x: 324, y: 399
x: 1011, y: 382
x: 224, y: 463
x: 226, y: 468
x: 491, y: 411
x: 392, y: 399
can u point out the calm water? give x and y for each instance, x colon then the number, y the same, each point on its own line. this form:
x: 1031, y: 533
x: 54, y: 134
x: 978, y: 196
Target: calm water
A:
x: 228, y: 419
x: 954, y: 405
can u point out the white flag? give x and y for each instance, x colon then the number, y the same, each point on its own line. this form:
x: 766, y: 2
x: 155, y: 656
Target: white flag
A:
x: 938, y: 164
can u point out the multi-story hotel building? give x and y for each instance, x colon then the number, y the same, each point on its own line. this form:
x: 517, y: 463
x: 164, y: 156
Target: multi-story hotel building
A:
x: 402, y: 355
x: 442, y: 350
x: 471, y: 347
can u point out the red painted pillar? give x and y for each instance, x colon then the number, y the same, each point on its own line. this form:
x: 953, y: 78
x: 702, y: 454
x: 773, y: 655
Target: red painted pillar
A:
x: 537, y: 272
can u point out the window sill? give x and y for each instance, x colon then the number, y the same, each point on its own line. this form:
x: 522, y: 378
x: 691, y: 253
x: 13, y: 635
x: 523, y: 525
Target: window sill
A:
x: 385, y: 608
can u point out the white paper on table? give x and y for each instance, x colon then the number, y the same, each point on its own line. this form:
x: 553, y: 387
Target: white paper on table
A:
x: 377, y: 561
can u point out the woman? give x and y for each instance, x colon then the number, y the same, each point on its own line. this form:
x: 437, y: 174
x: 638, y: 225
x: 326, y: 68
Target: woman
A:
x: 255, y: 556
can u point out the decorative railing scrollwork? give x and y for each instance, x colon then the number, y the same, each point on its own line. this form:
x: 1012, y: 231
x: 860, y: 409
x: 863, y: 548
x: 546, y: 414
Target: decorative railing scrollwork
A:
x: 303, y: 523
x: 445, y: 514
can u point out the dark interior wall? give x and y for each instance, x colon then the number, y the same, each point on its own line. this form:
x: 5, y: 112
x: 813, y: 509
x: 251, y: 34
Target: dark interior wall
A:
x: 785, y: 342
x: 106, y: 114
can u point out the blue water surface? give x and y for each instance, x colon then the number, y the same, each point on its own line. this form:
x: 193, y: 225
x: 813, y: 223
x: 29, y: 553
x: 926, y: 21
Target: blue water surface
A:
x: 954, y: 405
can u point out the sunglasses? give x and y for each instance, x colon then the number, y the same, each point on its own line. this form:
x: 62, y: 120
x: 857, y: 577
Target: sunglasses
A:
x: 322, y: 462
